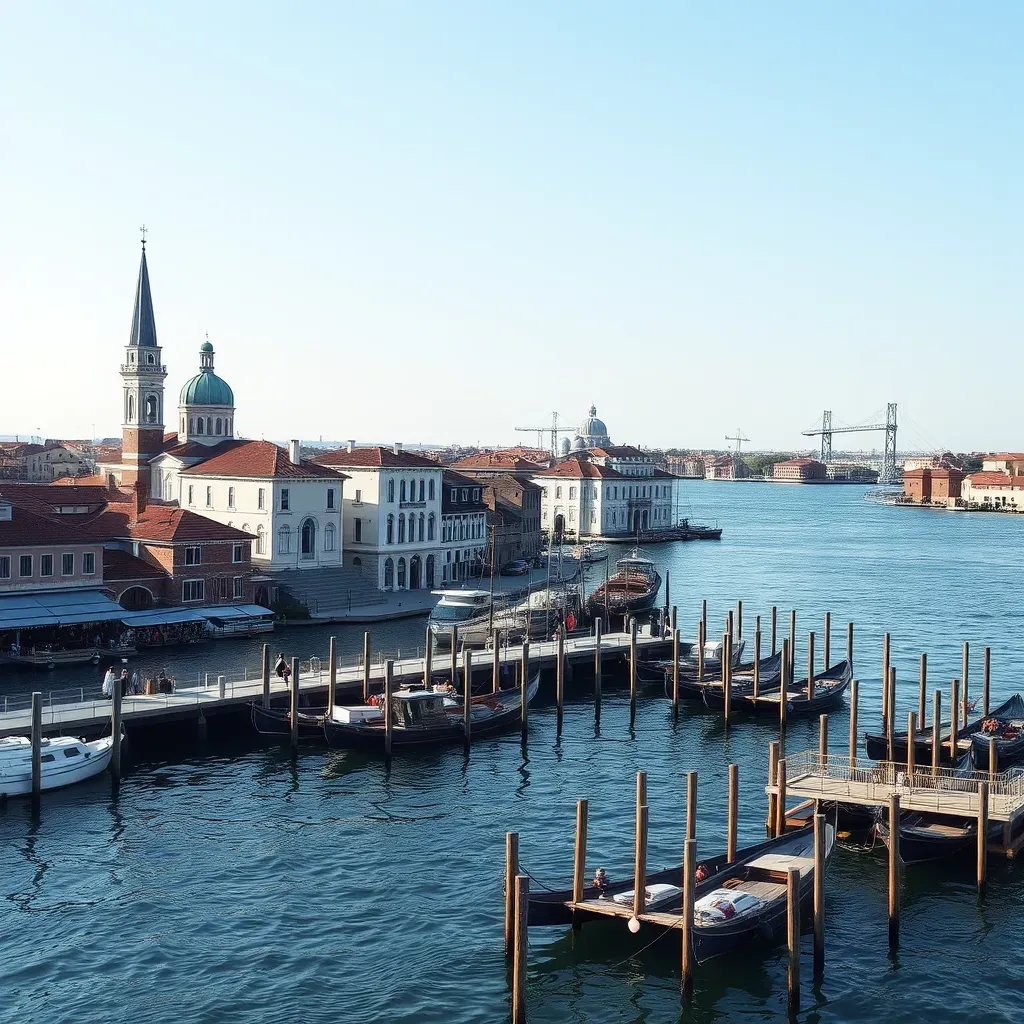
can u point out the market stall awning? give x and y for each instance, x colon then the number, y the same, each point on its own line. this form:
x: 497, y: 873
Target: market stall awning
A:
x: 57, y: 608
x: 161, y: 617
x: 237, y: 611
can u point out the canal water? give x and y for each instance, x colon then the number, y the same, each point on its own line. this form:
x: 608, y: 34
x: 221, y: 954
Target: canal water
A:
x: 232, y: 882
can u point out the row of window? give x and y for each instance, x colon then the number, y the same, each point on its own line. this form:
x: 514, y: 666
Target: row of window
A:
x: 195, y: 590
x: 307, y: 539
x: 213, y: 426
x: 415, y: 580
x: 194, y: 554
x: 408, y: 493
x: 414, y: 523
x: 284, y: 498
x: 26, y: 565
x: 639, y: 491
x: 463, y: 528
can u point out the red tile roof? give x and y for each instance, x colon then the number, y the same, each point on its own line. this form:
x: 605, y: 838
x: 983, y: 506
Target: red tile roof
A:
x: 161, y: 523
x: 254, y: 459
x: 26, y: 528
x: 375, y: 457
x: 577, y: 470
x: 798, y: 462
x: 44, y: 497
x: 496, y: 460
x: 618, y: 451
x: 122, y: 565
x: 991, y: 479
x: 94, y: 480
x: 1006, y: 456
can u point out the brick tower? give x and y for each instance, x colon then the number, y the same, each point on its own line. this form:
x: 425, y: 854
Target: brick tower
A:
x: 143, y: 373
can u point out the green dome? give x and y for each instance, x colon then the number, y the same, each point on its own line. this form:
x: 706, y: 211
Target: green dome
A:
x: 206, y: 346
x: 207, y: 388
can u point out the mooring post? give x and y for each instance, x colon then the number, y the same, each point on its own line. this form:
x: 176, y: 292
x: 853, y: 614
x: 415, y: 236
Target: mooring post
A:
x: 467, y: 695
x: 982, y: 833
x: 849, y: 643
x: 936, y: 738
x: 854, y: 688
x: 885, y: 680
x: 519, y: 967
x: 819, y: 898
x: 689, y: 886
x: 332, y: 672
x: 810, y: 666
x: 890, y: 719
x: 524, y: 683
x: 780, y: 799
x: 632, y: 672
x: 911, y: 745
x: 826, y: 643
x: 37, y: 744
x: 389, y: 715
x: 597, y: 671
x: 733, y: 812
x: 985, y: 677
x: 993, y: 757
x: 366, y: 667
x: 792, y: 643
x: 115, y: 730
x: 704, y: 615
x: 894, y: 870
x: 668, y: 591
x: 729, y: 622
x: 293, y: 706
x: 757, y: 662
x: 727, y: 676
x: 954, y: 723
x: 266, y: 675
x: 784, y: 688
x: 823, y: 741
x: 675, y: 673
x: 579, y: 860
x: 964, y: 675
x: 739, y: 620
x: 773, y: 764
x: 691, y: 805
x: 428, y: 659
x: 640, y: 862
x: 793, y: 938
x: 511, y: 870
x: 495, y: 663
x: 700, y: 651
x: 675, y: 615
x: 454, y: 666
x: 560, y: 676
x: 775, y: 626
x: 922, y: 693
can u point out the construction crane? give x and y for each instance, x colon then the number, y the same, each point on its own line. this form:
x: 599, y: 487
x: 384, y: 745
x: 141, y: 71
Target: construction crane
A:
x: 739, y: 439
x: 888, y: 474
x: 554, y: 430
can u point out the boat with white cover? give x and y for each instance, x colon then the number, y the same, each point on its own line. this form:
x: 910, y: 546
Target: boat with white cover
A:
x: 63, y: 761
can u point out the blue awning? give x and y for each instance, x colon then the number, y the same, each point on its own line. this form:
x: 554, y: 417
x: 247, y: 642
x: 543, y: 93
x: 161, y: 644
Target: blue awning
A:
x: 237, y: 611
x: 57, y: 608
x: 161, y: 617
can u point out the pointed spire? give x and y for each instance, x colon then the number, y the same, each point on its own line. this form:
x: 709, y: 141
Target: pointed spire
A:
x: 143, y: 322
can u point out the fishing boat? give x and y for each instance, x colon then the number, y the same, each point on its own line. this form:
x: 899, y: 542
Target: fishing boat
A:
x: 63, y: 762
x: 829, y: 688
x: 633, y: 588
x: 468, y: 611
x: 696, y: 531
x: 424, y: 717
x: 277, y: 722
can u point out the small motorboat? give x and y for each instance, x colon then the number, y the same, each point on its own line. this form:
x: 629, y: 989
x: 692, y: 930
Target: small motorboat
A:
x: 425, y: 717
x: 633, y: 588
x: 63, y: 762
x: 829, y: 688
x: 467, y: 611
x: 277, y: 721
x: 593, y: 553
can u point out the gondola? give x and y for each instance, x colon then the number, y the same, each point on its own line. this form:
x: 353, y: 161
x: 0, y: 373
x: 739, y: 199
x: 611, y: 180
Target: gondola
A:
x: 655, y: 672
x: 1006, y: 724
x: 278, y: 721
x: 424, y: 718
x: 829, y: 688
x: 633, y: 588
x: 876, y: 744
x: 769, y: 679
x: 925, y: 836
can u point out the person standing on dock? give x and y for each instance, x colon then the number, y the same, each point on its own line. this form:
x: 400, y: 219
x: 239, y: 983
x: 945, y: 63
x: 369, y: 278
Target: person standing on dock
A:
x: 281, y: 667
x: 109, y: 681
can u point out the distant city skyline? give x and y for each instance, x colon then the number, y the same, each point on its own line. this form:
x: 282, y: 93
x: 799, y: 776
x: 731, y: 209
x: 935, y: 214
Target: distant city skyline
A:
x: 435, y: 224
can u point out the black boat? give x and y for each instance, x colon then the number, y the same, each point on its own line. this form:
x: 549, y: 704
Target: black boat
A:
x: 633, y: 588
x: 278, y: 721
x: 829, y: 688
x: 426, y: 718
x: 1006, y: 724
x: 769, y: 679
x: 925, y: 836
x: 654, y: 672
x: 1010, y: 711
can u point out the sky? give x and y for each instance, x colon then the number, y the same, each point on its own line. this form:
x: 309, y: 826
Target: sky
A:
x: 436, y: 222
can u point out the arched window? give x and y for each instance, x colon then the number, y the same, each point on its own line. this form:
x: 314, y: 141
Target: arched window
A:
x: 199, y: 425
x: 430, y: 571
x: 572, y: 493
x: 431, y: 490
x: 151, y: 359
x: 219, y: 423
x: 391, y: 530
x: 423, y: 490
x: 430, y: 525
x: 389, y: 574
x: 209, y: 424
x: 307, y: 538
x: 191, y: 424
x: 402, y: 492
x: 558, y: 492
x: 401, y: 574
x: 391, y: 490
x: 168, y: 487
x: 131, y: 408
x: 231, y: 497
x: 183, y: 424
x: 421, y: 523
x: 329, y: 537
x: 401, y: 529
x: 261, y: 541
x: 151, y: 416
x: 284, y: 540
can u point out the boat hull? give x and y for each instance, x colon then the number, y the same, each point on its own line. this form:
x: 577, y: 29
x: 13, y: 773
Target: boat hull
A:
x: 277, y: 722
x: 16, y: 775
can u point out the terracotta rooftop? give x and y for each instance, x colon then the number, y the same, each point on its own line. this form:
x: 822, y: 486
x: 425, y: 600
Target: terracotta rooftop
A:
x: 578, y: 470
x: 990, y: 479
x: 26, y: 528
x: 254, y: 459
x: 122, y: 565
x: 797, y: 462
x: 375, y: 457
x: 160, y: 523
x: 619, y: 451
x: 497, y: 460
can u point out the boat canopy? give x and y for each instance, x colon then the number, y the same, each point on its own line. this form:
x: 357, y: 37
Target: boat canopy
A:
x: 235, y: 612
x: 57, y: 608
x: 161, y: 617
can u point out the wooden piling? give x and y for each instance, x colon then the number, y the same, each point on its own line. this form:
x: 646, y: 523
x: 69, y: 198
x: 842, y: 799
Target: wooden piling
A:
x: 773, y: 763
x: 936, y: 720
x: 894, y: 870
x: 733, y: 812
x: 985, y: 679
x: 700, y: 651
x: 922, y: 691
x: 389, y: 712
x: 826, y: 642
x: 641, y: 790
x: 428, y: 659
x: 668, y: 591
x: 819, y: 898
x: 885, y: 681
x: 632, y: 672
x: 691, y: 805
x: 730, y: 624
x: 294, y: 706
x: 849, y: 643
x: 780, y: 799
x: 775, y: 628
x: 116, y: 697
x: 823, y: 741
x: 993, y: 757
x: 793, y: 938
x: 675, y: 673
x: 511, y: 870
x: 727, y: 677
x: 579, y: 860
x: 495, y: 663
x: 640, y: 861
x: 265, y: 670
x: 911, y: 744
x: 675, y: 611
x: 786, y: 676
x: 757, y: 659
x: 560, y: 675
x: 964, y: 684
x: 890, y: 718
x: 689, y: 886
x: 739, y: 620
x: 704, y: 616
x: 519, y: 965
x: 366, y: 667
x: 454, y: 657
x: 854, y: 688
x: 332, y: 672
x: 982, y: 833
x: 467, y: 695
x: 597, y: 671
x: 810, y: 666
x: 37, y: 744
x: 954, y: 727
x: 524, y: 684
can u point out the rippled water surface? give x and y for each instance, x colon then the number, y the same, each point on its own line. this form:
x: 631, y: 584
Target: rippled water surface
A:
x: 229, y: 881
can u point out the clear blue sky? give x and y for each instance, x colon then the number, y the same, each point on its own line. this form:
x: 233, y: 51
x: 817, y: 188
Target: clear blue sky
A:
x: 439, y: 221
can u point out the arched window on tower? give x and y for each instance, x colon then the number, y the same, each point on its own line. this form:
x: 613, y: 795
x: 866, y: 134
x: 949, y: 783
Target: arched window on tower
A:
x: 209, y: 424
x: 199, y: 425
x: 219, y: 422
x: 151, y: 411
x: 183, y: 424
x: 131, y: 409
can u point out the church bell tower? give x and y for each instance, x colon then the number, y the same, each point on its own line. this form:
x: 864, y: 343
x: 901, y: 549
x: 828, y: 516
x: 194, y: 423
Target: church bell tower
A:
x: 143, y: 373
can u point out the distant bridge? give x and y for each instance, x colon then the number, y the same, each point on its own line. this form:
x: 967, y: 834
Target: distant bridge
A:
x: 888, y: 473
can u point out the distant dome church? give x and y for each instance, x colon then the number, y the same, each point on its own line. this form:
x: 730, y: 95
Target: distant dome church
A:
x: 206, y: 406
x: 593, y: 433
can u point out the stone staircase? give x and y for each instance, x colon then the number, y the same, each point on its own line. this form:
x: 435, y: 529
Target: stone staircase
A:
x: 329, y: 590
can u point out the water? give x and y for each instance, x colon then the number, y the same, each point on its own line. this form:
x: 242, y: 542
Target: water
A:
x: 232, y: 882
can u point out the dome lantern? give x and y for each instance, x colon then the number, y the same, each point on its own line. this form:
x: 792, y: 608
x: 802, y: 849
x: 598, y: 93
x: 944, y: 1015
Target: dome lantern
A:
x: 206, y: 406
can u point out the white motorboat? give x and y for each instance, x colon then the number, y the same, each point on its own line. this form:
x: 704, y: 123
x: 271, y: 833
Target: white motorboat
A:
x: 64, y: 761
x: 469, y: 611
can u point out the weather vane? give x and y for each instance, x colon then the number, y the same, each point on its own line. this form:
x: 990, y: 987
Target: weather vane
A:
x: 143, y: 230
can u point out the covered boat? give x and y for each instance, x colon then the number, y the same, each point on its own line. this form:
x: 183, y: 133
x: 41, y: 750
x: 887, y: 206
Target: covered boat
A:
x: 1006, y: 725
x: 63, y: 762
x: 633, y: 588
x: 829, y: 688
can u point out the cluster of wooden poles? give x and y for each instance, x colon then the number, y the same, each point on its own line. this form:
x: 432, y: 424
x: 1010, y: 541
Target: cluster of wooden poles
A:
x: 517, y: 890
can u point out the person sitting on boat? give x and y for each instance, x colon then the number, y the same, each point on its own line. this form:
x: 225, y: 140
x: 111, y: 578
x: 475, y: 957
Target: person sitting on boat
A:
x: 601, y: 880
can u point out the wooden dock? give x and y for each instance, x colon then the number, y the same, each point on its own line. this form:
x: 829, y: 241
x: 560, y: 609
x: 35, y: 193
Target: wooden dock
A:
x: 221, y: 694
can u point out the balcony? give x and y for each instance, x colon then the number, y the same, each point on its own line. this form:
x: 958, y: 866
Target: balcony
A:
x: 412, y: 504
x: 143, y: 368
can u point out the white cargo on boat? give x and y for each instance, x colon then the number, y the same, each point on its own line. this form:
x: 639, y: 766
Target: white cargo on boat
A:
x: 724, y: 904
x: 355, y: 715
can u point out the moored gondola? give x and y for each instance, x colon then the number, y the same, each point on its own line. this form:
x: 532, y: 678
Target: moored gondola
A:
x: 277, y: 722
x: 656, y: 671
x: 829, y: 688
x: 769, y: 679
x: 925, y: 836
x: 1006, y: 726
